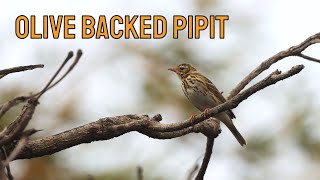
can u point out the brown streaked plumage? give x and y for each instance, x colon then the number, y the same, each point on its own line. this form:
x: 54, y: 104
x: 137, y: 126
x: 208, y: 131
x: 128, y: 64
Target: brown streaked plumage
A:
x: 203, y: 94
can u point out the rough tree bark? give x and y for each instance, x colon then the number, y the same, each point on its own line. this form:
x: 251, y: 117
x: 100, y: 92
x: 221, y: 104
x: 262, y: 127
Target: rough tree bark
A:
x: 14, y: 138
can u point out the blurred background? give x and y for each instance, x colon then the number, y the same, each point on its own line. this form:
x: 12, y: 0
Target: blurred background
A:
x: 117, y: 77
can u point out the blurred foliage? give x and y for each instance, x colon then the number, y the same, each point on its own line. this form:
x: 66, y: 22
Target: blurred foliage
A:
x: 163, y: 89
x: 302, y: 133
x: 259, y: 149
x: 170, y: 55
x: 45, y: 168
x: 118, y: 174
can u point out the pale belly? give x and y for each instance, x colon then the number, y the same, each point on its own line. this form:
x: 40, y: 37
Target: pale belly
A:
x: 200, y: 100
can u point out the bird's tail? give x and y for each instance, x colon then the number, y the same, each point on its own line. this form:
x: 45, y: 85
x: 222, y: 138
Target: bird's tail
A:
x: 237, y: 135
x: 228, y: 122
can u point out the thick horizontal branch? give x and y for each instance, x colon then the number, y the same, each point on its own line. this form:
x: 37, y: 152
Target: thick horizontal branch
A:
x: 108, y: 128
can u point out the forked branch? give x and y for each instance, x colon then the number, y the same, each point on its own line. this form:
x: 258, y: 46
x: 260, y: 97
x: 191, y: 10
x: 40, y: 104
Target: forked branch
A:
x: 111, y: 127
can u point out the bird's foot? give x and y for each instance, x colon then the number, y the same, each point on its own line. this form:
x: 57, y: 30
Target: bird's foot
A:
x: 206, y: 113
x: 191, y: 118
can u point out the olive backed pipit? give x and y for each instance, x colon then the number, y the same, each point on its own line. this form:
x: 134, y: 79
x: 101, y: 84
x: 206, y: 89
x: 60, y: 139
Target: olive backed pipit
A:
x: 203, y: 94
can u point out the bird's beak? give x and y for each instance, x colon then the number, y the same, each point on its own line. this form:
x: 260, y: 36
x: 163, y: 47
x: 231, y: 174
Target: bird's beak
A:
x: 173, y: 70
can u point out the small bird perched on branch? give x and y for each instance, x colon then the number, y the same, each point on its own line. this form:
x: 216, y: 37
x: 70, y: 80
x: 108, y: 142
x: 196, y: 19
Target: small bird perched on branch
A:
x: 204, y: 95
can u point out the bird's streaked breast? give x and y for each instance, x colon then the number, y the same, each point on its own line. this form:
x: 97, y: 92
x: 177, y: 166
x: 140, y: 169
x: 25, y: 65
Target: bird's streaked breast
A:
x: 196, y: 92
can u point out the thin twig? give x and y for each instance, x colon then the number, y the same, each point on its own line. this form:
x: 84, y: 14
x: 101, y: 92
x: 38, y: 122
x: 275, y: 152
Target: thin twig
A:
x: 5, y: 72
x: 191, y: 173
x: 69, y: 56
x: 139, y: 173
x: 206, y: 158
x: 3, y: 174
x: 292, y: 51
x: 75, y: 62
x: 8, y: 105
x: 308, y: 58
x: 108, y: 128
x: 13, y: 102
x: 22, y: 142
x: 17, y: 127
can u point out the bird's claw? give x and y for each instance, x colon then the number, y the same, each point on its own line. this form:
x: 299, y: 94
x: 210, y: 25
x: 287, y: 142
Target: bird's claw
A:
x: 206, y: 113
x: 191, y: 118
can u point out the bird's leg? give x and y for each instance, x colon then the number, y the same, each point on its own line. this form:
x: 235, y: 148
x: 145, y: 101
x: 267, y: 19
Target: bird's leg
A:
x: 191, y: 118
x: 206, y: 113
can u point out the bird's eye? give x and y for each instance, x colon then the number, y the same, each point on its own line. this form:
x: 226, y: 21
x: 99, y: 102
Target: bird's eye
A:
x: 181, y: 68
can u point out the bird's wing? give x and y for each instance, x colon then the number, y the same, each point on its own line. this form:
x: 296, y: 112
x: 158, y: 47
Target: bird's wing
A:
x: 217, y: 95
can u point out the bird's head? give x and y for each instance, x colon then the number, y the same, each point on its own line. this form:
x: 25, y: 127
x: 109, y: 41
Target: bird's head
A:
x: 183, y: 70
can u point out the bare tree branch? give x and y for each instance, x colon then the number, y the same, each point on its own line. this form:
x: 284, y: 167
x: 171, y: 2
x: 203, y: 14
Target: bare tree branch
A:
x: 139, y: 173
x: 15, y: 130
x: 111, y: 127
x: 22, y: 142
x: 308, y: 57
x: 3, y: 173
x: 19, y: 124
x: 5, y: 72
x: 13, y: 102
x: 273, y: 78
x: 206, y: 159
x: 108, y: 128
x: 8, y: 105
x: 69, y: 56
x: 75, y: 62
x: 104, y: 129
x: 293, y: 51
x: 193, y: 171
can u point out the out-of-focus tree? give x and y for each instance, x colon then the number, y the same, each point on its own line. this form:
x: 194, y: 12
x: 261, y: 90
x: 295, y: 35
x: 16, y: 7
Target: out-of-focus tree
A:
x: 298, y: 129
